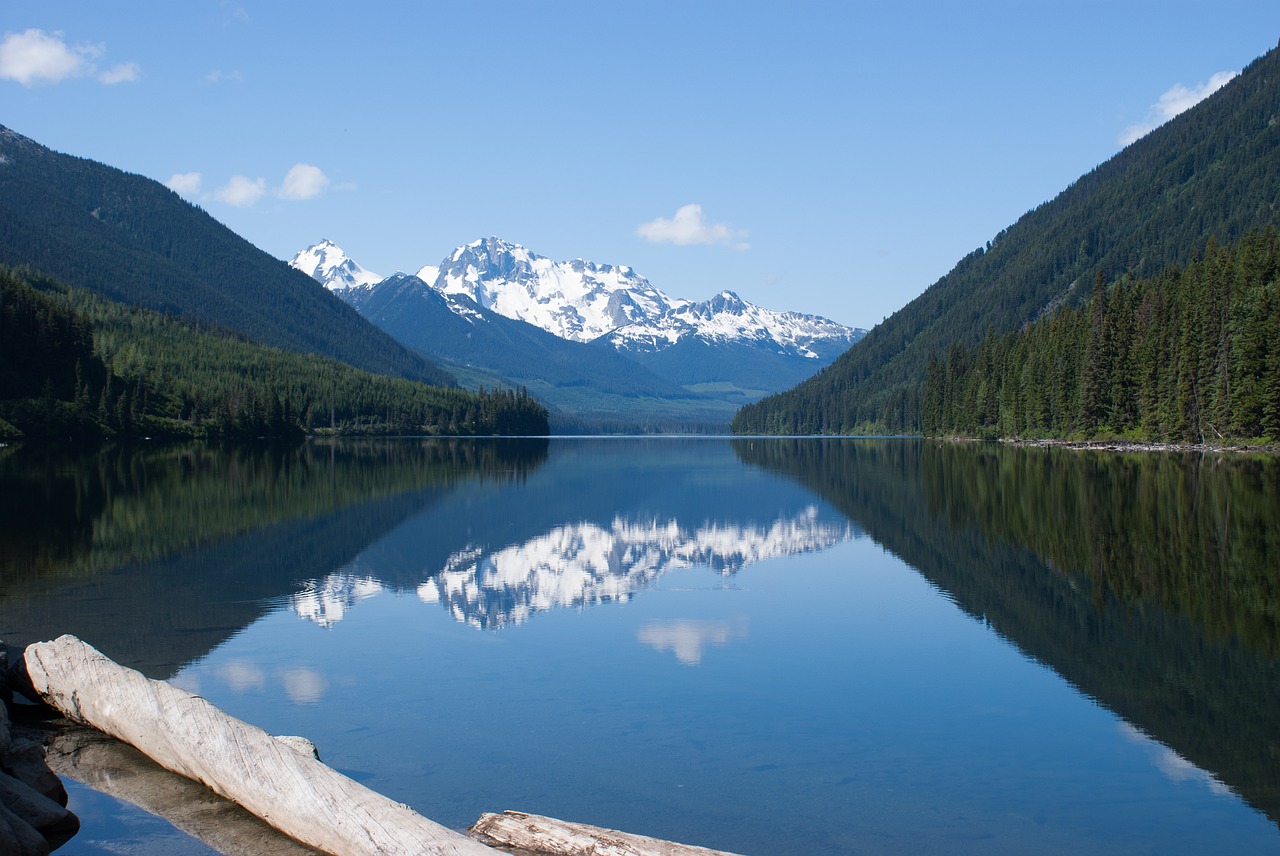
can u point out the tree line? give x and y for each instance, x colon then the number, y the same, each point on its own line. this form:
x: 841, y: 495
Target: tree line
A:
x: 1191, y: 355
x: 74, y: 364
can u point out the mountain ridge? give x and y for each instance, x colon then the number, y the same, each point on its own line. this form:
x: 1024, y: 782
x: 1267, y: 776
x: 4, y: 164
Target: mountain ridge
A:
x: 131, y: 239
x: 567, y: 329
x: 1214, y: 170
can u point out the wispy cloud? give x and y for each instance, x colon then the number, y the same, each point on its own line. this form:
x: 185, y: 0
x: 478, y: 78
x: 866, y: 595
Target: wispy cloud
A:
x: 303, y: 181
x: 218, y: 75
x: 124, y: 73
x: 235, y: 13
x: 185, y: 183
x: 688, y: 227
x: 1174, y: 101
x: 241, y: 191
x: 34, y: 56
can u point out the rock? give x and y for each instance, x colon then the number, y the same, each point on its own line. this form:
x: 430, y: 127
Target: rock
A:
x: 6, y: 694
x: 25, y: 761
x: 33, y: 814
x: 52, y: 821
x: 18, y: 838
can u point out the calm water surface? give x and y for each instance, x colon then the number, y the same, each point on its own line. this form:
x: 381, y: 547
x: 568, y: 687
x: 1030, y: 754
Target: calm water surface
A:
x: 765, y: 646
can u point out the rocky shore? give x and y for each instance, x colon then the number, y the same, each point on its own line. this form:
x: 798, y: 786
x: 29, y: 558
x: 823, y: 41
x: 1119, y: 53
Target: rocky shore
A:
x: 34, y: 819
x: 1127, y: 445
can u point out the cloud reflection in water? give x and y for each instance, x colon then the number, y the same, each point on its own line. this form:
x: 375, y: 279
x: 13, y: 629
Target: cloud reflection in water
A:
x: 688, y: 637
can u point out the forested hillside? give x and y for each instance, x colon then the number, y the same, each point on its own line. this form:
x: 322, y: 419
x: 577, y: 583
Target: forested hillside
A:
x: 133, y: 240
x: 1213, y: 171
x: 74, y: 364
x: 1187, y: 356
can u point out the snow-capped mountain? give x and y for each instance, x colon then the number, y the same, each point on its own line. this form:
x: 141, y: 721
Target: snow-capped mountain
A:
x: 728, y: 318
x: 595, y: 341
x: 577, y: 300
x: 328, y: 265
x: 583, y: 301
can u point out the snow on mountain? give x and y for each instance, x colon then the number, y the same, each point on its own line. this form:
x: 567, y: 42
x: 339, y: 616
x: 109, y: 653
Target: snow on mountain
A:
x: 582, y: 301
x: 728, y: 318
x: 328, y: 265
x: 577, y: 300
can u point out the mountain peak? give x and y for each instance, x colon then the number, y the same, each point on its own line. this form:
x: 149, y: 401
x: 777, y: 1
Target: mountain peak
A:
x: 583, y: 301
x: 572, y: 300
x: 727, y: 301
x: 327, y: 264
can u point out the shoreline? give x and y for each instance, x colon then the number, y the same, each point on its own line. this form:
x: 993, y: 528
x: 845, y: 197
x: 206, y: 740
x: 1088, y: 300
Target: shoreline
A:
x: 1123, y: 445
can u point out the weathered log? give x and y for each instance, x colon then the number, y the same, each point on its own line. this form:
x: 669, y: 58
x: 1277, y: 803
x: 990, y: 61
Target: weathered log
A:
x: 535, y: 834
x: 113, y: 767
x: 186, y: 734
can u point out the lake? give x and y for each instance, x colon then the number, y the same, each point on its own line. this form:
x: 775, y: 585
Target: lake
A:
x: 767, y: 646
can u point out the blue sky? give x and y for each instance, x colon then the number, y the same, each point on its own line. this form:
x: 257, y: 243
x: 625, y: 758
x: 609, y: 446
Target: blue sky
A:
x: 834, y: 158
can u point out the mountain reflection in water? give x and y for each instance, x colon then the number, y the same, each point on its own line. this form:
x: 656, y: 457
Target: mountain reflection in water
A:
x: 907, y: 646
x: 577, y: 565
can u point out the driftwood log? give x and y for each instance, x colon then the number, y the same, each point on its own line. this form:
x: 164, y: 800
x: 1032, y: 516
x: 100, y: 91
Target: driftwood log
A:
x: 531, y: 833
x: 112, y: 767
x: 182, y: 732
x: 282, y: 783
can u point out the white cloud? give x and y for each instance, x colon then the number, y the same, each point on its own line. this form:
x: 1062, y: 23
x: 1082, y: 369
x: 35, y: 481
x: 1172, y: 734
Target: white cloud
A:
x: 184, y: 183
x: 124, y: 73
x: 35, y: 56
x: 303, y: 181
x: 688, y: 227
x: 241, y: 191
x: 1171, y: 103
